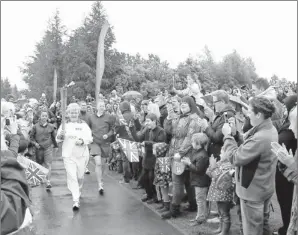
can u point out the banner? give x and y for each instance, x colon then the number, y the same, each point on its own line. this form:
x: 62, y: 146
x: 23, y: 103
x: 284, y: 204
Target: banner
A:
x: 100, y: 60
x: 130, y: 149
x: 55, y: 85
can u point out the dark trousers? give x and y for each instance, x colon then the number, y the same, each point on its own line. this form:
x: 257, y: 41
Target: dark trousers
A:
x: 135, y: 170
x: 284, y: 192
x: 126, y: 169
x: 148, y: 178
x: 190, y: 190
x: 140, y: 178
x: 224, y: 211
x: 179, y: 182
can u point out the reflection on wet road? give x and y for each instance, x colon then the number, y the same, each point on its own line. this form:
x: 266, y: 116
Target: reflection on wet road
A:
x: 117, y: 212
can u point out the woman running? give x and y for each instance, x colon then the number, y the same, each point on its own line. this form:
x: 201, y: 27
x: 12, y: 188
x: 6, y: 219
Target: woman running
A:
x: 76, y: 137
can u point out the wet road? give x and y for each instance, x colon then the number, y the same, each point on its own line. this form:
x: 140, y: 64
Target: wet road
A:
x: 115, y: 213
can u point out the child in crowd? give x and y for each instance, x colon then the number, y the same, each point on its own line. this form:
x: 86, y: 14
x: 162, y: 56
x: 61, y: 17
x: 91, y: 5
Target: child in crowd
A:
x: 223, y: 198
x: 198, y: 164
x: 163, y: 175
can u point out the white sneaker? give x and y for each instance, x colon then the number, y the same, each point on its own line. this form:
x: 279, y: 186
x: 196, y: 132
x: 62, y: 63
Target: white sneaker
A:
x: 87, y: 172
x: 76, y: 206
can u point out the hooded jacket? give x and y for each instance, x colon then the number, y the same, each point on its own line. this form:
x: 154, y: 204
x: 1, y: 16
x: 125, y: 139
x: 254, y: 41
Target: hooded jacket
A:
x: 214, y: 131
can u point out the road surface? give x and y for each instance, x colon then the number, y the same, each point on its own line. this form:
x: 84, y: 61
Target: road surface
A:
x: 117, y: 212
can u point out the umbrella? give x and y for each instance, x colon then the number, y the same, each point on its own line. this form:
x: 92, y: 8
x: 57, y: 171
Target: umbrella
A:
x: 132, y: 95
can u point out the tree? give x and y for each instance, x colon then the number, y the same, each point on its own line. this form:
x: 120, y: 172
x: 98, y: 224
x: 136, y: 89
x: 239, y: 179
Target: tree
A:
x: 5, y: 87
x: 39, y: 70
x: 81, y: 50
x: 236, y: 71
x: 15, y: 92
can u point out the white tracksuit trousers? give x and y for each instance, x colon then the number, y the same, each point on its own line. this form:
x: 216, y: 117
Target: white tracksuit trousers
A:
x: 75, y: 170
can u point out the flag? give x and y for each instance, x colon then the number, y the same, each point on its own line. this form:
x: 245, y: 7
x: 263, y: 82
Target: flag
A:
x: 121, y: 118
x: 35, y: 176
x: 35, y: 173
x: 130, y: 149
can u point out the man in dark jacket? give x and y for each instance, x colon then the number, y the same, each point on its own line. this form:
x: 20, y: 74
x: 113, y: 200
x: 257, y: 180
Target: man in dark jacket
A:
x: 224, y: 111
x: 149, y: 135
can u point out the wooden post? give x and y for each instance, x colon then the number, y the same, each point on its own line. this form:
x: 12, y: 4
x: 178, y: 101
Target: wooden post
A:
x: 63, y: 94
x: 100, y: 60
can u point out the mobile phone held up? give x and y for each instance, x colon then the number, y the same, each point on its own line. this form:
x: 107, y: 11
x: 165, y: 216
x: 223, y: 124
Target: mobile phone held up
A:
x: 7, y: 122
x: 226, y: 117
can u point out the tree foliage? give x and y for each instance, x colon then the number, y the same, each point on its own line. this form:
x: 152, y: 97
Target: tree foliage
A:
x: 75, y: 60
x: 5, y: 87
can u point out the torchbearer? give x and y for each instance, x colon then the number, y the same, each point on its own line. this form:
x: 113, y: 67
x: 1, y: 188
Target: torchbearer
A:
x: 76, y: 135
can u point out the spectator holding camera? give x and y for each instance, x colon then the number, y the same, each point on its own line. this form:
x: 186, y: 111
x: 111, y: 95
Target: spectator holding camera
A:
x: 255, y: 166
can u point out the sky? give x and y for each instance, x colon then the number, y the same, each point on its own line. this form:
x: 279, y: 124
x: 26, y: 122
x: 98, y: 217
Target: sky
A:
x: 264, y: 31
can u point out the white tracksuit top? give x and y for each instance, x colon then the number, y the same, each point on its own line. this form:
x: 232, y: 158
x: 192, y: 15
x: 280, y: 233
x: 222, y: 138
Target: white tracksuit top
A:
x: 73, y: 132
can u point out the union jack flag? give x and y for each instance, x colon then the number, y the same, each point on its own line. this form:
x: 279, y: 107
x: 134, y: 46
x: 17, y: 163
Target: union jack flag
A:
x: 121, y: 118
x: 130, y: 149
x: 35, y: 176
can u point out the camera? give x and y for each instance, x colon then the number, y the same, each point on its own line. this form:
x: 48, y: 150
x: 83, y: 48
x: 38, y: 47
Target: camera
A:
x: 7, y: 122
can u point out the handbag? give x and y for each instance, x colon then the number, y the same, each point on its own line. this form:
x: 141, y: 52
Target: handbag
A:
x: 224, y: 181
x: 178, y: 168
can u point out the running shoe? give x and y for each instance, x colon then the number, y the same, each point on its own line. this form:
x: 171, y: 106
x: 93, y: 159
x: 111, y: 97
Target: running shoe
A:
x: 100, y: 190
x: 48, y: 185
x: 76, y: 206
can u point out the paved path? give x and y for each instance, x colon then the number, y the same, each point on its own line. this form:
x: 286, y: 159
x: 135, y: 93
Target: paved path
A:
x: 117, y: 212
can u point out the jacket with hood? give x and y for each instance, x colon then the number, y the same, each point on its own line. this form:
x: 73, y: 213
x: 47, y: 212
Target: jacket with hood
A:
x: 214, y: 131
x: 133, y: 124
